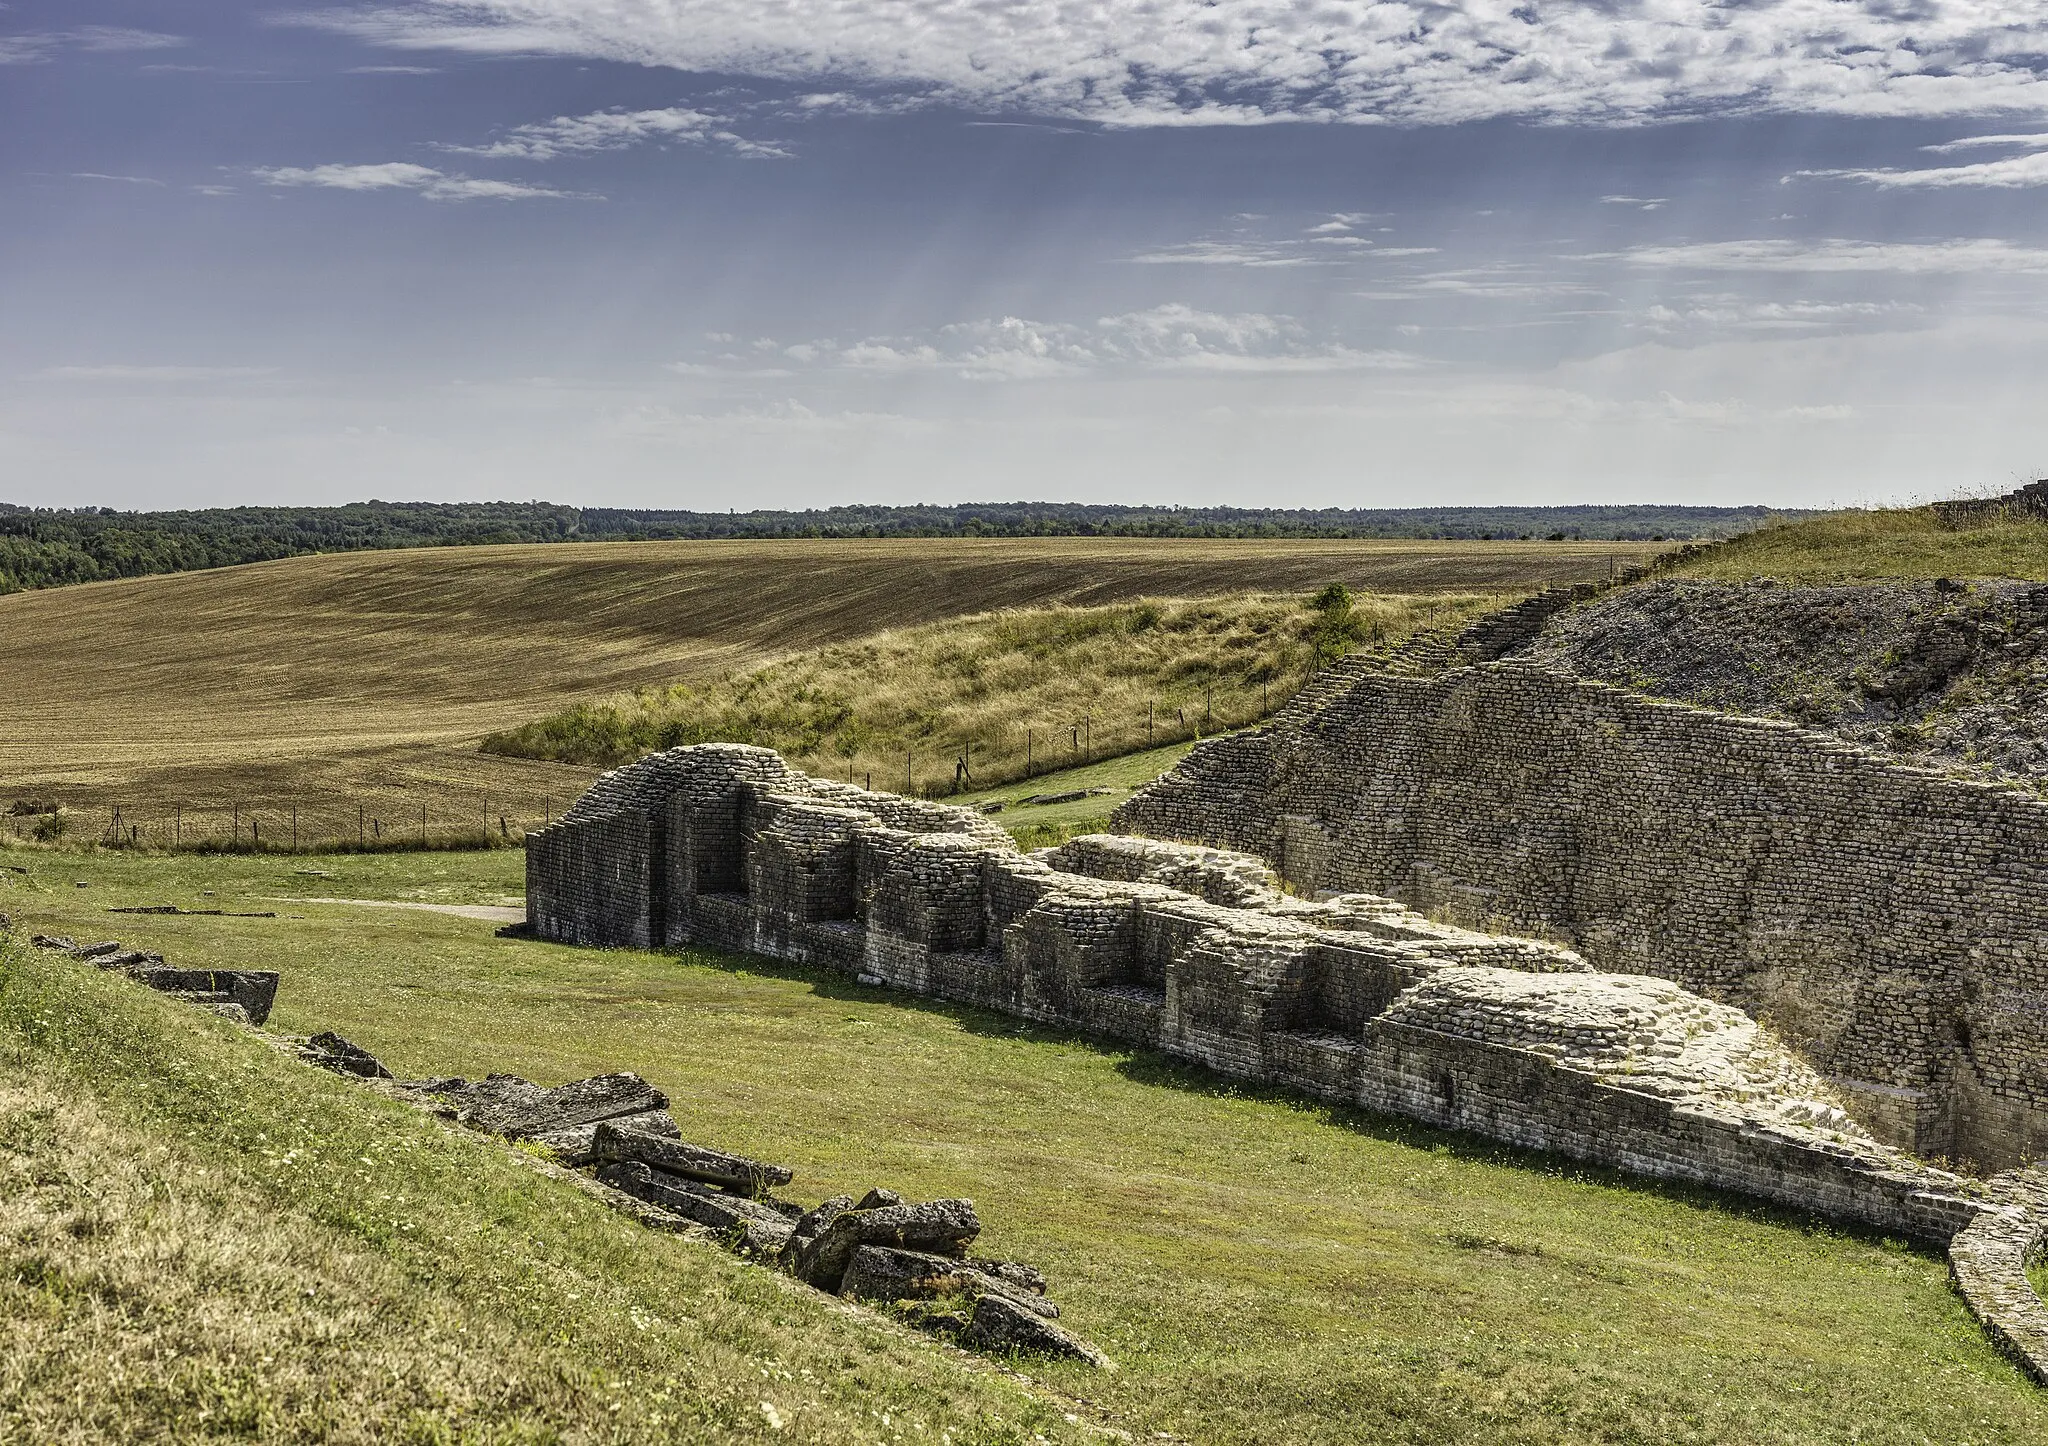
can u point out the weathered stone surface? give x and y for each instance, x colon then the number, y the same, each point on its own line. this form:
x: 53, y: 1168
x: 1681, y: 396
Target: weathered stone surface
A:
x: 883, y: 1273
x: 1987, y: 1261
x: 812, y: 1222
x: 875, y: 1199
x: 1003, y: 1323
x: 937, y: 1227
x: 575, y: 1146
x: 505, y: 1104
x: 253, y: 990
x: 330, y: 1051
x: 754, y: 1226
x: 1024, y: 1277
x: 97, y: 951
x: 618, y: 1141
x: 742, y: 852
x: 1885, y: 918
x: 53, y: 941
x: 227, y: 1009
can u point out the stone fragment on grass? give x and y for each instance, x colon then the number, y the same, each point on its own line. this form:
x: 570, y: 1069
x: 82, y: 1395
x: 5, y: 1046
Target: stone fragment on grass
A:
x: 575, y: 1146
x: 883, y: 1273
x: 940, y: 1227
x: 1002, y: 1323
x: 505, y: 1104
x: 750, y: 1225
x: 330, y: 1051
x: 53, y: 941
x: 254, y: 990
x: 1015, y: 1272
x: 618, y: 1141
x: 229, y: 1010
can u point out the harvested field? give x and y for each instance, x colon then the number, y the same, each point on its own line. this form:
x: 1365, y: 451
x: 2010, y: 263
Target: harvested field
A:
x: 367, y: 679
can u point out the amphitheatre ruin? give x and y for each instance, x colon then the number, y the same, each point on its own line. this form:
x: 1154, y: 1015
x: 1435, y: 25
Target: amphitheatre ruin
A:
x: 1466, y: 886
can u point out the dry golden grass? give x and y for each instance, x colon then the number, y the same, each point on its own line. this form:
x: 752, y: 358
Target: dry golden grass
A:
x: 322, y: 682
x: 976, y: 701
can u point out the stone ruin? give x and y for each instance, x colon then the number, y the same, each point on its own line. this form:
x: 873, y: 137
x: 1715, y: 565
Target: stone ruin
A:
x: 1198, y: 953
x: 908, y: 1258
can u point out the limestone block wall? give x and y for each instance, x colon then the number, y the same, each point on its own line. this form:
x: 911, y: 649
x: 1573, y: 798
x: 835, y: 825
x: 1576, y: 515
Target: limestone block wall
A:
x: 1353, y: 999
x: 1890, y: 922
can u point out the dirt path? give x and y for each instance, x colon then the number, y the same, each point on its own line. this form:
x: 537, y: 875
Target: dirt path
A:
x: 494, y: 913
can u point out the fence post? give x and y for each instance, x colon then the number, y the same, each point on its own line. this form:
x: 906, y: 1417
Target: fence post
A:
x: 423, y: 825
x: 359, y: 823
x: 295, y: 828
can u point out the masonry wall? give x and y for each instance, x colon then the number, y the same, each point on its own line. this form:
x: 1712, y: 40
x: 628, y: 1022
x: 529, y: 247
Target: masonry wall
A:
x: 754, y: 857
x: 1892, y: 923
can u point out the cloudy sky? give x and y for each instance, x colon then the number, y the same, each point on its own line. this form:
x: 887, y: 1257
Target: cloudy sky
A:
x: 730, y: 253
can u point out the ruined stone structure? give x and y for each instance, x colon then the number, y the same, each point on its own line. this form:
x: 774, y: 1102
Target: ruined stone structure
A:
x: 1194, y: 952
x: 1889, y: 922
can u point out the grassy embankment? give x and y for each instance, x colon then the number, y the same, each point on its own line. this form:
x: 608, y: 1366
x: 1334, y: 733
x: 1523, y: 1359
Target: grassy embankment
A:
x: 368, y: 679
x: 1263, y: 1269
x: 1876, y: 546
x: 1010, y: 694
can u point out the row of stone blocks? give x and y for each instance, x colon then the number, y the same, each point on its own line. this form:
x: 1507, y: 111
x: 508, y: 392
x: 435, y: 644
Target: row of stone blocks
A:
x: 1890, y: 921
x: 727, y: 847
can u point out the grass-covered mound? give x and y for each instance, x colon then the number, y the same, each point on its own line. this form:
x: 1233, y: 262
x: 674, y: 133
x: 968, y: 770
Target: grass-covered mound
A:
x: 201, y: 1238
x: 1081, y: 682
x: 1900, y: 543
x: 1262, y: 1268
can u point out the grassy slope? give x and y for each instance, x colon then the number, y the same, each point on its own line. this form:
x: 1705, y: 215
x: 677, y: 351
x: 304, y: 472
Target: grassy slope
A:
x: 1013, y: 692
x: 201, y: 1238
x: 1263, y: 1269
x: 1872, y: 546
x: 372, y: 675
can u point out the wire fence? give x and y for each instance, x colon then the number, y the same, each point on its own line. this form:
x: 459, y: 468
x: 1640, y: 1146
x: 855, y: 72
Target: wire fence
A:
x: 437, y: 819
x: 370, y: 824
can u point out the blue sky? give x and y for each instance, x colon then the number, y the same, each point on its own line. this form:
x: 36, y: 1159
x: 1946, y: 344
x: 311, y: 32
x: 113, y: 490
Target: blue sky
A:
x: 731, y: 253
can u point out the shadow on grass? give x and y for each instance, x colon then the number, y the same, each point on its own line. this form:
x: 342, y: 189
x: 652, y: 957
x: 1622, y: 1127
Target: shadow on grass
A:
x: 1154, y: 1069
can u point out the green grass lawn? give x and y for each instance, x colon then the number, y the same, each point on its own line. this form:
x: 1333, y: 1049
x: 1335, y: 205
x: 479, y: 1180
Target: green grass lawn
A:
x: 1035, y: 825
x: 1262, y: 1269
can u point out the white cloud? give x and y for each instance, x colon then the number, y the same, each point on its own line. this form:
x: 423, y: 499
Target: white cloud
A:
x: 1171, y: 338
x: 1164, y: 62
x: 1223, y: 253
x: 104, y: 176
x: 610, y: 130
x: 44, y: 45
x: 1735, y: 314
x: 152, y: 373
x: 2031, y: 138
x: 2010, y: 173
x: 1641, y: 203
x: 393, y: 70
x: 405, y: 176
x: 1909, y: 258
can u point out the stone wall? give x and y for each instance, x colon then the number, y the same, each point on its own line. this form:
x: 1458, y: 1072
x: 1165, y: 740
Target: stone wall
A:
x: 1194, y: 952
x: 1890, y: 922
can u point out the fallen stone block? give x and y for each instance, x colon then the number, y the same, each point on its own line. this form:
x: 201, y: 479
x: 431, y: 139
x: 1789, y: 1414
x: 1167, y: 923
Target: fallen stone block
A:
x: 938, y: 1227
x: 1001, y: 1323
x: 751, y: 1225
x: 1023, y: 1277
x: 507, y: 1105
x: 812, y: 1222
x: 96, y: 951
x: 254, y: 990
x: 875, y: 1199
x: 330, y: 1051
x: 880, y: 1273
x: 53, y: 941
x: 575, y: 1146
x: 618, y: 1141
x: 128, y: 959
x: 230, y: 1011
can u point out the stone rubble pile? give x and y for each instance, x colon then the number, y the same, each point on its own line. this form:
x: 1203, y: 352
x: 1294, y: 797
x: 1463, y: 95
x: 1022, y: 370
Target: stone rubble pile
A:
x: 909, y: 1257
x: 241, y: 995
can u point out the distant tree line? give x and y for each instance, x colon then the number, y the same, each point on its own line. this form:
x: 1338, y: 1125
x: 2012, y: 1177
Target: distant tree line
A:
x: 48, y: 547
